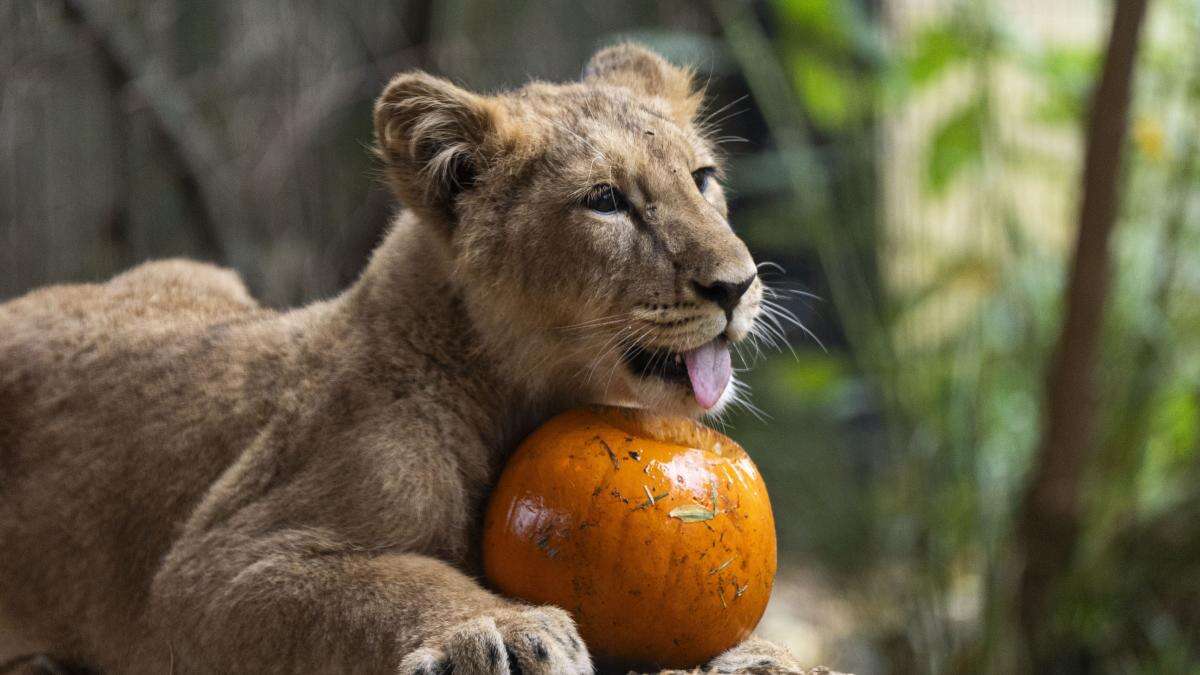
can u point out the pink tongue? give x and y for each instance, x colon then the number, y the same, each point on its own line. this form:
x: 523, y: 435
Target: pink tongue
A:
x: 709, y: 369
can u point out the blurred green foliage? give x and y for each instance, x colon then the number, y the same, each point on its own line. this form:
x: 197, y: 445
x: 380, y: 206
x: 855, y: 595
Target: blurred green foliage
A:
x: 906, y: 457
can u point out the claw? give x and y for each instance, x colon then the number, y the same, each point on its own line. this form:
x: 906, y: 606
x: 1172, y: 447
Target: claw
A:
x: 533, y: 641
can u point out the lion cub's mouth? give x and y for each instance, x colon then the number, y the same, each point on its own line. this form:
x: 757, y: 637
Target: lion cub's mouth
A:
x: 706, y: 370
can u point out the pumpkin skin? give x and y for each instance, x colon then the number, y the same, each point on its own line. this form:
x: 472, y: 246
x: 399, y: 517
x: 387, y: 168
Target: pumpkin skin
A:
x: 664, y: 582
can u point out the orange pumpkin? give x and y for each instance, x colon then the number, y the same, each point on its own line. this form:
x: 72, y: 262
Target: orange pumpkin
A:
x: 655, y: 533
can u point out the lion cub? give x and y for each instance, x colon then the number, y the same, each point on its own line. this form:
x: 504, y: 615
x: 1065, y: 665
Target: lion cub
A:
x: 191, y: 483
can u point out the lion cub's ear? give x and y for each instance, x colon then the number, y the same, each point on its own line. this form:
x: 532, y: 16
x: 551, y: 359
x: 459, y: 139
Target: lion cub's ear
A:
x: 637, y: 68
x: 434, y: 139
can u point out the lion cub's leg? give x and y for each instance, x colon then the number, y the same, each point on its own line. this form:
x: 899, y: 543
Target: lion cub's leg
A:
x: 291, y: 602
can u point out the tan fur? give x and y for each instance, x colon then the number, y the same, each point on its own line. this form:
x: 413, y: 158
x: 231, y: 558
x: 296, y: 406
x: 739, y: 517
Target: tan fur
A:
x: 191, y: 482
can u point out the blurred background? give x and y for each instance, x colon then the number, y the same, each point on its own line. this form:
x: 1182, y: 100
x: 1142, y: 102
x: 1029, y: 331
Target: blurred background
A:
x: 912, y: 167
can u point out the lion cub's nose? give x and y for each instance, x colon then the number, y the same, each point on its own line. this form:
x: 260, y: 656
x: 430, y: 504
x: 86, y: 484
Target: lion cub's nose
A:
x: 725, y: 293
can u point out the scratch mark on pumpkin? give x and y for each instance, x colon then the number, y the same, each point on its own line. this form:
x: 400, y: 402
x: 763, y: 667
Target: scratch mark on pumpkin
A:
x: 652, y: 499
x: 611, y: 455
x: 720, y: 567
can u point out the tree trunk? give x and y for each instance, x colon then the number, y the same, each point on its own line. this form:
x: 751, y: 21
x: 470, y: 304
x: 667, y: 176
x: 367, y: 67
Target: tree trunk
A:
x: 1049, y: 522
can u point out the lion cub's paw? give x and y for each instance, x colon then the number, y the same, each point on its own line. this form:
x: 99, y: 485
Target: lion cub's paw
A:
x: 529, y: 640
x: 755, y: 655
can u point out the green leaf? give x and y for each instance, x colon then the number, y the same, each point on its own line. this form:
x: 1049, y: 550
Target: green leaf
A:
x: 818, y: 20
x: 692, y: 513
x: 824, y: 89
x: 955, y: 147
x: 935, y: 50
x: 813, y: 378
x: 1068, y: 75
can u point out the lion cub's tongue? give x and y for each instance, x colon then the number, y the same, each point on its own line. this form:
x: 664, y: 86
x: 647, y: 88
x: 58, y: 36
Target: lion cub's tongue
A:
x: 709, y: 369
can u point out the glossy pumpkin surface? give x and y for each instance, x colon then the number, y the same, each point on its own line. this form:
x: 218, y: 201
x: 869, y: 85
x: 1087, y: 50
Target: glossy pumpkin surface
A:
x: 655, y: 533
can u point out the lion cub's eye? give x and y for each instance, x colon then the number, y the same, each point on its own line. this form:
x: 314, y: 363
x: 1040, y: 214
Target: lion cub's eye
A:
x: 604, y: 198
x: 701, y: 177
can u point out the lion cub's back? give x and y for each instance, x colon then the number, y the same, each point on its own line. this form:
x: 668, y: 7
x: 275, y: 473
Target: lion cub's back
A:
x: 55, y: 341
x: 166, y: 289
x: 107, y: 391
x: 175, y: 289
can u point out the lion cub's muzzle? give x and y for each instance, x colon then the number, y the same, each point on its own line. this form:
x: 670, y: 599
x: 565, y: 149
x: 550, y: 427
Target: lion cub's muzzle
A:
x: 705, y: 370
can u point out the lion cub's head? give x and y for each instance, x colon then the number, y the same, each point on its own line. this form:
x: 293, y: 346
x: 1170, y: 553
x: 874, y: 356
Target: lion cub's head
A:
x: 587, y: 226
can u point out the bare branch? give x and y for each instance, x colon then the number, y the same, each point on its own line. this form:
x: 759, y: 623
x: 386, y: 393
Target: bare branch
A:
x: 188, y: 144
